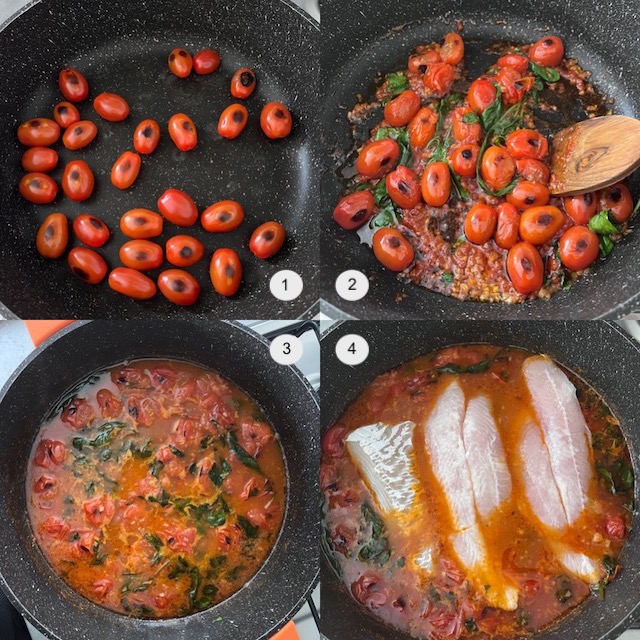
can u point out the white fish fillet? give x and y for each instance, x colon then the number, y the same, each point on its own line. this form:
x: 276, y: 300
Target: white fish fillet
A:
x: 578, y: 564
x: 566, y: 434
x: 485, y: 457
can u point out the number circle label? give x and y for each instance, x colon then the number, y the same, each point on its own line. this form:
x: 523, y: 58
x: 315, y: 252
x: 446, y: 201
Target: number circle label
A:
x: 286, y: 349
x: 286, y: 285
x: 352, y: 349
x: 352, y: 285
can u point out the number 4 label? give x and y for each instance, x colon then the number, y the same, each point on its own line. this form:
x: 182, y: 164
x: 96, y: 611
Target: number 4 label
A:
x: 352, y: 349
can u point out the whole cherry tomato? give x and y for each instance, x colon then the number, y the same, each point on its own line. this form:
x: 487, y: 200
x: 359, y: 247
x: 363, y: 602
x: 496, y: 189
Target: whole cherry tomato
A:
x: 436, y: 184
x: 146, y: 137
x: 225, y: 271
x: 480, y: 223
x: 78, y: 181
x: 439, y: 78
x: 243, y: 83
x: 420, y: 63
x: 132, y: 283
x: 141, y: 223
x: 525, y: 268
x: 111, y: 107
x: 464, y: 160
x: 267, y: 239
x: 392, y: 249
x: 79, y: 135
x: 222, y: 216
x: 506, y: 234
x: 125, y: 170
x: 53, y: 236
x: 452, y: 49
x: 73, y: 85
x: 527, y: 143
x: 354, y: 210
x: 87, y: 265
x: 581, y: 208
x: 38, y: 132
x: 206, y: 61
x: 184, y: 251
x: 403, y: 187
x: 618, y: 200
x: 232, y: 121
x: 497, y: 168
x: 91, y: 230
x: 578, y: 248
x: 482, y: 93
x: 378, y: 158
x: 275, y: 120
x: 533, y: 170
x: 517, y: 62
x: 66, y: 114
x: 179, y: 287
x: 178, y: 207
x: 528, y: 194
x: 180, y: 63
x: 465, y: 132
x: 422, y: 127
x: 39, y: 159
x: 399, y: 111
x: 538, y: 225
x: 183, y: 132
x: 548, y: 51
x: 38, y: 188
x: 141, y: 255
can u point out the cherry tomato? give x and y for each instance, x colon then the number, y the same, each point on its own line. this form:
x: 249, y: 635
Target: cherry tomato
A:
x: 420, y: 63
x: 480, y: 223
x: 80, y: 135
x: 39, y: 159
x: 464, y: 160
x: 392, y: 249
x: 538, y: 225
x: 615, y: 528
x: 232, y: 121
x: 66, y: 114
x: 618, y: 200
x: 533, y: 170
x: 506, y: 234
x: 141, y: 255
x: 73, y: 85
x: 38, y: 132
x: 91, y: 230
x: 206, y: 61
x: 436, y: 184
x: 439, y: 77
x: 141, y: 223
x: 179, y: 287
x: 581, y: 208
x: 403, y: 187
x: 53, y: 236
x: 517, y: 62
x: 527, y: 143
x: 399, y: 111
x: 422, y: 127
x: 87, y: 265
x: 180, y: 63
x: 578, y: 247
x: 225, y: 271
x: 512, y: 85
x: 111, y: 107
x: 452, y: 49
x: 222, y: 216
x: 184, y: 251
x: 528, y: 194
x: 525, y: 268
x: 132, y: 283
x: 497, y: 168
x: 267, y: 239
x: 146, y: 137
x: 78, y: 181
x: 481, y: 94
x: 178, y: 207
x: 38, y: 188
x: 547, y: 52
x: 354, y: 210
x: 378, y: 158
x: 183, y: 132
x: 465, y: 132
x: 275, y: 120
x: 243, y: 83
x: 125, y: 170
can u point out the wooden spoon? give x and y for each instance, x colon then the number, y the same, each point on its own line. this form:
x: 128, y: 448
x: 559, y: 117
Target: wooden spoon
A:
x: 594, y: 154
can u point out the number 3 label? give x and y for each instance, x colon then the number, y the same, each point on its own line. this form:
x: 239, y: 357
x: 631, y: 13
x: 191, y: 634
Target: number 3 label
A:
x: 286, y: 349
x: 352, y: 349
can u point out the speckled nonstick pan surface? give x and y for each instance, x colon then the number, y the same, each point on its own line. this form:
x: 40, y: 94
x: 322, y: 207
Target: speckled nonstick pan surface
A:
x: 122, y: 46
x: 277, y: 591
x: 358, y: 41
x: 601, y: 353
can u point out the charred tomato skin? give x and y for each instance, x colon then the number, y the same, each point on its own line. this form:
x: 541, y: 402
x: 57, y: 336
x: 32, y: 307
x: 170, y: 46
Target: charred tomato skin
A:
x: 525, y: 268
x: 88, y: 265
x: 78, y: 181
x: 275, y: 120
x: 180, y: 62
x: 267, y: 239
x: 125, y: 170
x: 79, y: 135
x: 222, y: 216
x: 73, y: 85
x: 184, y: 251
x: 354, y: 210
x: 141, y: 255
x: 179, y: 287
x: 392, y: 249
x: 141, y: 223
x: 183, y: 132
x: 243, y: 83
x: 578, y: 248
x: 232, y: 121
x: 225, y: 271
x: 38, y: 188
x: 90, y: 230
x: 38, y: 132
x: 53, y: 236
x: 377, y: 158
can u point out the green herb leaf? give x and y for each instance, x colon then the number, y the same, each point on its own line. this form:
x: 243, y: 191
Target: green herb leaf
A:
x: 548, y: 74
x: 181, y: 567
x: 370, y: 516
x: 176, y: 452
x: 156, y: 467
x: 249, y: 530
x: 492, y: 114
x: 598, y: 589
x: 610, y: 565
x: 154, y: 540
x: 606, y: 245
x: 447, y: 278
x: 601, y: 223
x: 523, y: 617
x: 219, y: 473
x: 194, y: 574
x: 380, y: 194
x: 397, y: 83
x: 470, y: 118
x: 163, y: 500
x: 241, y: 454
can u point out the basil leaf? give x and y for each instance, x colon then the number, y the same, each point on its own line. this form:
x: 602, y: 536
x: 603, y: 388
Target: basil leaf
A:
x: 470, y: 118
x: 250, y: 530
x: 447, y: 278
x: 493, y: 112
x: 386, y: 217
x: 241, y: 454
x: 606, y: 246
x: 548, y: 74
x: 397, y: 83
x: 370, y: 516
x: 460, y: 190
x: 219, y: 473
x: 601, y: 223
x: 380, y: 194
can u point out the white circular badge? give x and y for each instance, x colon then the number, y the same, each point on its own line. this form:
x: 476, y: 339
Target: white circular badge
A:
x: 286, y: 285
x: 286, y: 349
x: 352, y: 285
x: 352, y: 349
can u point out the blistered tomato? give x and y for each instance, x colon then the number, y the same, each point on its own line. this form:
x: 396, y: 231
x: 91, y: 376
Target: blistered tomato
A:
x: 581, y: 208
x: 525, y: 268
x: 222, y: 216
x: 267, y: 239
x: 480, y: 223
x: 400, y: 111
x: 497, y: 168
x: 378, y: 158
x: 141, y: 255
x: 275, y: 120
x: 225, y: 271
x: 527, y: 143
x: 66, y: 114
x: 392, y: 249
x: 578, y: 248
x: 141, y: 223
x: 403, y: 187
x: 91, y: 230
x: 422, y: 127
x: 538, y: 225
x: 178, y: 207
x: 436, y: 184
x: 73, y: 85
x: 184, y: 251
x: 53, y: 236
x: 528, y: 194
x: 243, y: 83
x: 87, y: 265
x: 38, y: 132
x: 232, y: 121
x: 464, y: 160
x: 506, y: 234
x: 179, y: 286
x: 146, y: 137
x: 180, y: 63
x: 183, y: 132
x: 548, y: 51
x: 38, y: 188
x: 125, y: 170
x: 78, y: 181
x: 354, y: 210
x: 618, y: 200
x: 79, y: 135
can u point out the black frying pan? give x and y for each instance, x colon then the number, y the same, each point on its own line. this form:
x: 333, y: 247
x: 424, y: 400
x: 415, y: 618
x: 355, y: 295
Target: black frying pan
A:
x: 358, y: 41
x: 122, y: 46
x: 601, y: 353
x: 276, y: 592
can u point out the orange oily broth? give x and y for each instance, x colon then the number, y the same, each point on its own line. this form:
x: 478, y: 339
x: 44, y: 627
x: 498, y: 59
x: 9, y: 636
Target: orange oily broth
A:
x: 154, y: 557
x: 519, y: 548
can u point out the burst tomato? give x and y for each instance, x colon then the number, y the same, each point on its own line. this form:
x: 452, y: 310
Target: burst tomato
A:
x: 533, y: 170
x: 422, y: 127
x: 508, y: 224
x: 452, y: 49
x: 497, y: 168
x: 439, y: 77
x: 399, y: 111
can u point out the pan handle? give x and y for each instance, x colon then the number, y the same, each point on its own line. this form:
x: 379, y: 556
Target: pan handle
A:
x: 296, y: 329
x: 288, y: 632
x: 40, y: 330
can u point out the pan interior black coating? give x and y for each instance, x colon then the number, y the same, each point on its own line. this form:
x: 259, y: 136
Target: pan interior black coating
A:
x: 358, y: 43
x: 278, y: 589
x: 601, y: 353
x: 122, y: 47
